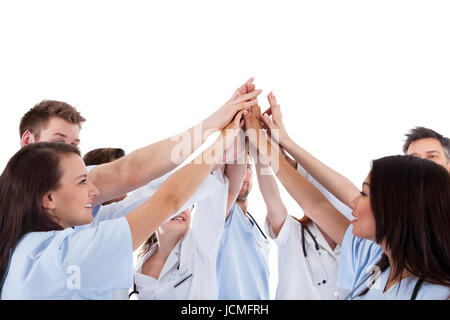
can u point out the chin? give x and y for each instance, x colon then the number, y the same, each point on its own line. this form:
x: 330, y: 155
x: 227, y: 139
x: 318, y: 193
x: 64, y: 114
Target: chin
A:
x: 363, y: 235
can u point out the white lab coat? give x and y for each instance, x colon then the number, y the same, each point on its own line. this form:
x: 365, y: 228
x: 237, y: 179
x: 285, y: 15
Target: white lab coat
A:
x: 312, y: 277
x: 190, y: 269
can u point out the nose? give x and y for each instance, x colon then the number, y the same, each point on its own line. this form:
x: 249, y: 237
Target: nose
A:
x: 354, y: 202
x: 93, y: 190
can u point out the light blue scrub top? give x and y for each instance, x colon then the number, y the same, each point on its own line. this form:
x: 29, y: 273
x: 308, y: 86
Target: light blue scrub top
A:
x: 359, y: 256
x: 72, y: 264
x: 242, y: 262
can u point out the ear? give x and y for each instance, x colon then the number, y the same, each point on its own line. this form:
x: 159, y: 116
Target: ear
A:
x: 48, y: 201
x: 27, y: 138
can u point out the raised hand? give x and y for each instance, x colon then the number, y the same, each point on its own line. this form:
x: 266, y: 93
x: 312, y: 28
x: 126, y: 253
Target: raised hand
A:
x: 243, y: 98
x: 276, y: 122
x: 253, y: 127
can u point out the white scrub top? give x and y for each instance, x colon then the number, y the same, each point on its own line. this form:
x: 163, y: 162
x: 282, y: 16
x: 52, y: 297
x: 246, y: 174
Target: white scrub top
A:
x: 190, y: 269
x: 142, y: 194
x: 358, y: 258
x: 313, y: 277
x: 305, y: 278
x: 86, y: 264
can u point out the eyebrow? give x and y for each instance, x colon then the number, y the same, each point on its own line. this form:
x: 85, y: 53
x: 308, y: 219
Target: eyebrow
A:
x: 64, y: 136
x: 82, y: 176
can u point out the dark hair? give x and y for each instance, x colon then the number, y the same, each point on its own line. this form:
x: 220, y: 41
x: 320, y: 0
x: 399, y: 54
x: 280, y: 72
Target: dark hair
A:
x: 37, y: 117
x: 102, y: 155
x: 410, y: 201
x: 418, y: 133
x: 30, y: 173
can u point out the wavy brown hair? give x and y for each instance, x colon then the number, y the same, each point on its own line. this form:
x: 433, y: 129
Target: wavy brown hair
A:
x: 30, y: 173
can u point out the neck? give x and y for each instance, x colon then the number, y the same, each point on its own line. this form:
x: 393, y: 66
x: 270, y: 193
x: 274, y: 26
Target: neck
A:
x: 330, y: 242
x: 166, y: 243
x: 243, y: 205
x: 393, y: 280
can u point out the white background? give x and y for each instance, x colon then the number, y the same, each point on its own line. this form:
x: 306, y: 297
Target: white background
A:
x: 351, y: 76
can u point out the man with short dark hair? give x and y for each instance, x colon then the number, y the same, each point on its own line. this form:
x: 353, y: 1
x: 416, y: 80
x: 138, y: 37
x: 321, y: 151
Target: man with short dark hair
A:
x: 51, y: 121
x: 428, y: 144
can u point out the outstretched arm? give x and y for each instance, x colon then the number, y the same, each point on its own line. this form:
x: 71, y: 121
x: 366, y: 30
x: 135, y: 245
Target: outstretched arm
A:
x: 151, y: 162
x: 341, y: 187
x: 276, y: 211
x: 177, y: 189
x: 303, y: 192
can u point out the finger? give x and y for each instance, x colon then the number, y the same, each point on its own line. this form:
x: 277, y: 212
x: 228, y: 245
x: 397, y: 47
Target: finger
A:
x: 245, y: 105
x: 266, y: 119
x: 248, y: 96
x: 236, y: 94
x: 271, y: 98
x: 268, y: 111
x: 249, y: 85
x: 239, y: 116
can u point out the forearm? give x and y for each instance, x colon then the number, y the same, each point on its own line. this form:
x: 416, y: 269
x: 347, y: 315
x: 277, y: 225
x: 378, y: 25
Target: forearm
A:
x: 342, y: 188
x: 276, y: 211
x: 169, y: 198
x: 146, y: 164
x: 314, y: 204
x: 291, y: 161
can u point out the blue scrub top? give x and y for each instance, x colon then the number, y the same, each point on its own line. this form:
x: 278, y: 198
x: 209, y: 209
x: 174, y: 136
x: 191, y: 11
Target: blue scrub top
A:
x: 72, y: 264
x: 242, y: 262
x: 359, y: 257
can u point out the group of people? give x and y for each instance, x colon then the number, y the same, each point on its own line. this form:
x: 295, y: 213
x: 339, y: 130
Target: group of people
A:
x: 68, y: 227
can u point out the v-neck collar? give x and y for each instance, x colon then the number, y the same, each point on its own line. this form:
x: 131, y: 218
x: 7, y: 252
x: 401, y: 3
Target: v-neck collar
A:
x: 173, y: 260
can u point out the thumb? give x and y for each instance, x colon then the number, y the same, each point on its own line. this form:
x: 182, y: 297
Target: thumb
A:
x: 266, y: 119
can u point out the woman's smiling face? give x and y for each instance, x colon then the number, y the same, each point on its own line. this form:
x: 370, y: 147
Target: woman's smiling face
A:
x: 364, y: 224
x: 71, y: 204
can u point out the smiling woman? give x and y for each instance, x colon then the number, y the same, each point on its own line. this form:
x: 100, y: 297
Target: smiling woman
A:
x: 44, y: 192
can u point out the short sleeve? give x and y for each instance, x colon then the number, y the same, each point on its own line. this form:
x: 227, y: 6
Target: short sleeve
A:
x: 357, y: 256
x: 283, y: 236
x: 142, y: 194
x: 103, y: 255
x: 209, y: 217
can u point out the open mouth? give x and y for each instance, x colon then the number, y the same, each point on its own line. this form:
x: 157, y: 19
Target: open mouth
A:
x: 88, y: 206
x: 179, y: 218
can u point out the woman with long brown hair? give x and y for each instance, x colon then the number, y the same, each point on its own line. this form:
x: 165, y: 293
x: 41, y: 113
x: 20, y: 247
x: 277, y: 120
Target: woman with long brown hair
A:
x: 399, y: 240
x: 45, y: 192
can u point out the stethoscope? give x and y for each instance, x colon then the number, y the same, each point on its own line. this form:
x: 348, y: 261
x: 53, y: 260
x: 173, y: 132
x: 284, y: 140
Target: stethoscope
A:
x: 179, y: 282
x: 256, y: 223
x: 416, y: 289
x: 316, y: 244
x: 322, y: 279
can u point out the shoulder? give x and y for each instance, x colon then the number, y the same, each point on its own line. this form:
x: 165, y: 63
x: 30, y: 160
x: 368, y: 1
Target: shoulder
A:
x: 34, y: 243
x: 429, y: 291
